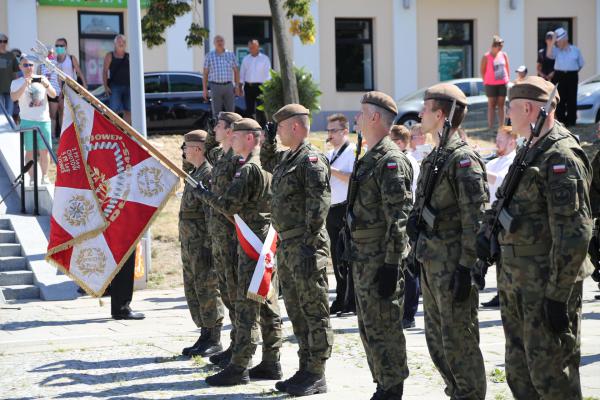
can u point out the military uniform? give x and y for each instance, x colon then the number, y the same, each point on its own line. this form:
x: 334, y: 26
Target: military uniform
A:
x: 459, y: 197
x: 544, y: 262
x: 379, y: 214
x: 299, y: 206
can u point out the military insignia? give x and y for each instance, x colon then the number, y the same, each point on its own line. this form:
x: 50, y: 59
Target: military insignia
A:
x: 313, y: 158
x: 562, y: 195
x: 149, y: 181
x: 392, y: 165
x: 80, y: 117
x: 241, y: 160
x: 465, y: 163
x: 78, y: 210
x: 559, y: 168
x: 237, y: 174
x: 91, y: 261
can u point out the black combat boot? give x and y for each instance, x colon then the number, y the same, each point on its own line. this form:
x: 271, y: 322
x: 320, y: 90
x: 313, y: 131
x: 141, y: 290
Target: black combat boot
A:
x: 307, y: 384
x: 211, y: 345
x: 393, y: 393
x: 232, y: 375
x: 203, y: 337
x: 267, y: 370
x: 282, y: 385
x: 222, y: 359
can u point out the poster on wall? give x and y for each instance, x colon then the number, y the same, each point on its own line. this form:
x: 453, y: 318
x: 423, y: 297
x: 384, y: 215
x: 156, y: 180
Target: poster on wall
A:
x: 92, y: 56
x: 451, y: 63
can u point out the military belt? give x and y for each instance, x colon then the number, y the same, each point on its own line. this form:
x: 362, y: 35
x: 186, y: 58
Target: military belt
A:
x: 291, y: 233
x: 191, y: 214
x: 368, y: 233
x: 446, y: 225
x: 512, y: 251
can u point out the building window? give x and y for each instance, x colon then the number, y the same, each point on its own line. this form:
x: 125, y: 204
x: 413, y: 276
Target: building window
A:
x: 354, y: 54
x: 97, y: 31
x: 551, y: 24
x: 248, y: 28
x: 455, y: 49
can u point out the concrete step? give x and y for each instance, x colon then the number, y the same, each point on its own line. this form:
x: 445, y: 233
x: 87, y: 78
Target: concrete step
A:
x: 12, y: 263
x: 7, y: 236
x: 5, y: 224
x: 10, y: 249
x: 22, y: 277
x: 20, y: 292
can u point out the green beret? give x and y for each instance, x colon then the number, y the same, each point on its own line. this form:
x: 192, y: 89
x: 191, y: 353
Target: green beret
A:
x: 289, y: 111
x: 229, y: 117
x: 195, y: 136
x: 447, y: 92
x: 246, y: 124
x: 380, y: 99
x: 533, y: 88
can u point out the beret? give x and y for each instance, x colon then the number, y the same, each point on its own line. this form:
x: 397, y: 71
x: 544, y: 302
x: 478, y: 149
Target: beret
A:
x: 289, y: 111
x: 195, y: 136
x: 380, y: 99
x: 533, y: 88
x: 229, y: 117
x: 246, y: 124
x: 447, y: 92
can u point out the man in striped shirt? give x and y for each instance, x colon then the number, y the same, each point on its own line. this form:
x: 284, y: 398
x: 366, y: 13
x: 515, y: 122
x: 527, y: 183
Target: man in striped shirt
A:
x: 220, y: 71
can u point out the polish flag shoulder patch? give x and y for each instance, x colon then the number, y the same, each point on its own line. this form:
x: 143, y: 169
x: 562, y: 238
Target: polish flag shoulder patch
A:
x: 559, y: 168
x: 391, y: 165
x: 313, y: 158
x: 237, y: 174
x: 241, y: 160
x: 464, y: 163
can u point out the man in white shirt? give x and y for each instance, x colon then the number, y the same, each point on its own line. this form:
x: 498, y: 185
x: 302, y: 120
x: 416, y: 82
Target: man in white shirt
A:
x: 402, y: 137
x: 253, y: 73
x: 341, y: 160
x: 506, y: 145
x: 419, y: 148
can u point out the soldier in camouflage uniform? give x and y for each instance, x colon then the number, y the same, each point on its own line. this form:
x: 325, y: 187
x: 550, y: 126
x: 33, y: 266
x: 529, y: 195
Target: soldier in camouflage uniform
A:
x: 379, y: 243
x: 299, y: 206
x: 221, y: 229
x: 544, y: 260
x: 594, y: 249
x: 249, y: 196
x: 199, y: 276
x: 447, y: 251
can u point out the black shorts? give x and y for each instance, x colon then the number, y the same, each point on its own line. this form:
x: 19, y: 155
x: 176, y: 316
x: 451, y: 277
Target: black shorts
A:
x: 52, y: 99
x: 495, y: 90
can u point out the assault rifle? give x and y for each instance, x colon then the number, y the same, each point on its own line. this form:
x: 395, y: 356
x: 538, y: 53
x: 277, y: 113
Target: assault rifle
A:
x: 501, y: 217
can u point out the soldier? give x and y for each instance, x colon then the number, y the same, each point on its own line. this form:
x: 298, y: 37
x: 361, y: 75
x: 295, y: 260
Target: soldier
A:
x: 299, y: 206
x: 594, y: 249
x: 379, y: 242
x: 249, y: 196
x: 199, y: 276
x: 447, y: 250
x: 543, y: 259
x: 221, y: 229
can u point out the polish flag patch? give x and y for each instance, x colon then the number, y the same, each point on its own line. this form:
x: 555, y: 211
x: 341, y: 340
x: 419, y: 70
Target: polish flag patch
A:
x: 241, y: 160
x: 313, y: 159
x: 237, y: 174
x: 559, y: 168
x: 464, y: 163
x: 392, y: 165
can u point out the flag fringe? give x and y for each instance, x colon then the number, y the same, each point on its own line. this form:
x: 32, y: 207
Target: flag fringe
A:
x: 256, y: 297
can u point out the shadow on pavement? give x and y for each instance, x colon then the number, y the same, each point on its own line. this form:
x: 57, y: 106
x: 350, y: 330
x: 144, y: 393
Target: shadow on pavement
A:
x: 166, y: 299
x: 88, y: 365
x: 68, y: 379
x: 21, y: 325
x: 589, y: 359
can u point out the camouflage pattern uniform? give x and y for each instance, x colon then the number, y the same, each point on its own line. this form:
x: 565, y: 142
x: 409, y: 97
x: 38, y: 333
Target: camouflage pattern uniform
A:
x: 545, y: 258
x: 299, y: 207
x: 200, y: 280
x: 249, y: 196
x: 452, y: 327
x: 595, y: 187
x: 380, y: 211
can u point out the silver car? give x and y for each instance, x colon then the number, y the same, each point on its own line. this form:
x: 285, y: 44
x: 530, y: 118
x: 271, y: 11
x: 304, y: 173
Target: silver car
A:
x: 588, y: 101
x: 410, y: 106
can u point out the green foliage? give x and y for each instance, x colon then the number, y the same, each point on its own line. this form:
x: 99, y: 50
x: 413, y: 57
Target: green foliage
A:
x: 162, y: 14
x: 272, y: 92
x: 498, y: 375
x: 302, y: 23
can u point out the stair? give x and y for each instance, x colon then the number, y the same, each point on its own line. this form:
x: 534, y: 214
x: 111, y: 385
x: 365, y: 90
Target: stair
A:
x: 16, y: 280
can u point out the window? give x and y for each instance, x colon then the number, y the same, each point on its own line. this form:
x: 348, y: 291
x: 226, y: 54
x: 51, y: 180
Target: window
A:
x: 465, y: 87
x: 455, y: 49
x: 354, y: 54
x: 184, y: 83
x: 248, y: 28
x: 97, y: 31
x: 155, y: 84
x: 551, y: 24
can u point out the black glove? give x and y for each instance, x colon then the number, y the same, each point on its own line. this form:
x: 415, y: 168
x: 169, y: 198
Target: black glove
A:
x: 557, y: 315
x: 478, y: 274
x: 387, y: 279
x: 483, y: 246
x: 461, y: 283
x: 270, y: 131
x: 594, y: 252
x: 412, y: 228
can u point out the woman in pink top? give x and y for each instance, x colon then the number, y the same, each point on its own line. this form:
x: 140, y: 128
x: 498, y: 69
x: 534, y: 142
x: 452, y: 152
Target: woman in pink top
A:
x: 494, y: 70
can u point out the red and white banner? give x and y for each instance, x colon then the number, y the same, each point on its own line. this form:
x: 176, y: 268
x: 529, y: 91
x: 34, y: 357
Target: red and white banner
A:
x: 130, y: 188
x: 264, y: 255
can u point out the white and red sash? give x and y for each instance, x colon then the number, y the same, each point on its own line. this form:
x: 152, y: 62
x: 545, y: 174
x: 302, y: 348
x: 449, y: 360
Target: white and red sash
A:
x: 264, y: 255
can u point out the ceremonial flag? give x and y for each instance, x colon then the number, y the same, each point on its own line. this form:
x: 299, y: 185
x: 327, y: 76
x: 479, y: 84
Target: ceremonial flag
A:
x: 130, y: 187
x: 263, y: 253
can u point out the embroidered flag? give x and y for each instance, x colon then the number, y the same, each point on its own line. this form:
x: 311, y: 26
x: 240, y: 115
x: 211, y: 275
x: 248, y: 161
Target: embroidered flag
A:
x: 465, y: 163
x: 313, y: 158
x: 392, y: 165
x: 559, y: 168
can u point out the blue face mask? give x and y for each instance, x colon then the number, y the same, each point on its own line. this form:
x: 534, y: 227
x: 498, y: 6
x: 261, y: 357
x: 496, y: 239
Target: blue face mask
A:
x: 60, y: 50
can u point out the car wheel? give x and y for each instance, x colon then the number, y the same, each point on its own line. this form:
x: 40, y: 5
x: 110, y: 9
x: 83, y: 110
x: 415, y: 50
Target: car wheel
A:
x: 409, y: 120
x: 598, y: 116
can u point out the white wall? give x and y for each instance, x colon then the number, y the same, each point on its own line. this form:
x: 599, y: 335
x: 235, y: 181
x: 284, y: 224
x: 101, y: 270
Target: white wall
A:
x: 405, y: 47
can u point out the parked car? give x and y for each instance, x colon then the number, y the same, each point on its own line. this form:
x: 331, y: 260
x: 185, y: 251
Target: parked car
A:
x: 410, y: 106
x: 588, y: 101
x: 174, y: 101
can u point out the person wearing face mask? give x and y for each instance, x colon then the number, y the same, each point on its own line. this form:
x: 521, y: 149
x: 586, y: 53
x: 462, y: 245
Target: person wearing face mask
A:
x: 68, y: 64
x: 52, y: 101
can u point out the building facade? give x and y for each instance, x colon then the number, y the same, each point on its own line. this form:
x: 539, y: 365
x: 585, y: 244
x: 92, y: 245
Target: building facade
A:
x: 395, y: 46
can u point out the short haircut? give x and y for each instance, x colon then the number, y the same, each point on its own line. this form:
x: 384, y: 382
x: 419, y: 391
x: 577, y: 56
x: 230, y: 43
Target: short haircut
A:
x: 387, y: 118
x: 507, y: 129
x: 254, y: 40
x: 302, y: 120
x: 400, y: 132
x: 446, y: 106
x: 120, y: 36
x: 341, y: 118
x: 62, y: 39
x: 3, y: 36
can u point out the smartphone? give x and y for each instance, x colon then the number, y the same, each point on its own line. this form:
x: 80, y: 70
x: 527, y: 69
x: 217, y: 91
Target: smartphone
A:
x: 37, y: 79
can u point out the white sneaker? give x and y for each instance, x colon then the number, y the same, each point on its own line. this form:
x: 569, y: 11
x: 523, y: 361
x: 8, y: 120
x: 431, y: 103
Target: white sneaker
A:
x: 30, y: 182
x: 45, y: 180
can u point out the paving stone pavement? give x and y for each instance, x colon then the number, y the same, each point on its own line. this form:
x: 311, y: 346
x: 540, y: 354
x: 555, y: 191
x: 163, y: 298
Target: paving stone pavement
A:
x: 73, y: 350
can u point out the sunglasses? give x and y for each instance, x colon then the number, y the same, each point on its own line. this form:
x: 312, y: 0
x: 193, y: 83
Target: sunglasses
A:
x: 59, y: 45
x: 27, y: 65
x: 3, y: 41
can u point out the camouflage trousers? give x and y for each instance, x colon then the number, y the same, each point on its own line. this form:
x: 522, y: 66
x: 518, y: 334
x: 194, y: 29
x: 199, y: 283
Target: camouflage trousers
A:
x: 452, y: 332
x: 200, y: 284
x: 305, y: 294
x: 225, y: 258
x: 540, y: 364
x: 379, y: 320
x: 252, y: 315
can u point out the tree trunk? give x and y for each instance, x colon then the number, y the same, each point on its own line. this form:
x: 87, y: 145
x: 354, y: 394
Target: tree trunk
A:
x: 284, y: 51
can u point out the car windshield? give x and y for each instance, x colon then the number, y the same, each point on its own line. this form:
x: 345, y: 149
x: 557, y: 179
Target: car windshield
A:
x: 418, y: 95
